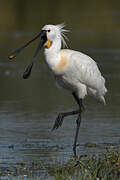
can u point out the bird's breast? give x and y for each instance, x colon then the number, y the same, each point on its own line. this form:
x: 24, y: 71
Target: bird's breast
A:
x: 58, y: 62
x: 62, y: 64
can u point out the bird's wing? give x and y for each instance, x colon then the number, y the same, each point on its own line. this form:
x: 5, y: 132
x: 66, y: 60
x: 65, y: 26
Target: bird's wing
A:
x: 87, y: 72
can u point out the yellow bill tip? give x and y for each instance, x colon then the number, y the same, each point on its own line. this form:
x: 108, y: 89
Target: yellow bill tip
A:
x: 11, y: 57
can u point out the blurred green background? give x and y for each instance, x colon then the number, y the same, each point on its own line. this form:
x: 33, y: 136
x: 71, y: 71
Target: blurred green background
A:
x: 31, y: 15
x: 100, y: 18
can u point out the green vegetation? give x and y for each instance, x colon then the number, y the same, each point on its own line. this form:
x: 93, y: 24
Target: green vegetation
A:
x: 103, y: 166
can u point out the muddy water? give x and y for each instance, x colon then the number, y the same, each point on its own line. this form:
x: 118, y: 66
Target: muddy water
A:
x: 28, y: 108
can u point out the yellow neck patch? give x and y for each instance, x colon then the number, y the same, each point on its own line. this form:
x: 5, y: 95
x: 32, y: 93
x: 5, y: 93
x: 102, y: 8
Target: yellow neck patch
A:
x: 48, y: 44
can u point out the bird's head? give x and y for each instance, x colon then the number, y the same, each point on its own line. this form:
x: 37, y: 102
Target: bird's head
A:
x: 51, y: 37
x: 54, y: 34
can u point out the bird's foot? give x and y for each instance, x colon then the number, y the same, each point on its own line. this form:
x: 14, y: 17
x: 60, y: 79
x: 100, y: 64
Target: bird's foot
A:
x: 58, y: 121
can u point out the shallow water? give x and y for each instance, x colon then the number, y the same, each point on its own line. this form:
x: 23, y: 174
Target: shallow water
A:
x: 29, y: 107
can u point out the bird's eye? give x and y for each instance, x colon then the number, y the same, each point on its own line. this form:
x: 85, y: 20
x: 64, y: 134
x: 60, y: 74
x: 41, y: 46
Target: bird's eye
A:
x: 48, y: 30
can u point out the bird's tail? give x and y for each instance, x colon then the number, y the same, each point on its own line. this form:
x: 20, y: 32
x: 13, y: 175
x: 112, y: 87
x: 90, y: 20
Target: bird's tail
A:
x: 100, y: 96
x: 101, y: 99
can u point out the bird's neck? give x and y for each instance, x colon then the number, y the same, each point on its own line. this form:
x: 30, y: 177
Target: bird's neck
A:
x: 52, y: 54
x: 54, y: 47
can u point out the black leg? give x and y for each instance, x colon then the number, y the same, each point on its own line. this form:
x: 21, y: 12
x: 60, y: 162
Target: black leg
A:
x: 79, y: 101
x: 78, y: 121
x: 59, y: 119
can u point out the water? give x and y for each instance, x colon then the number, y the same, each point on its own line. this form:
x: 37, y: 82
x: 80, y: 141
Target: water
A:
x: 29, y: 107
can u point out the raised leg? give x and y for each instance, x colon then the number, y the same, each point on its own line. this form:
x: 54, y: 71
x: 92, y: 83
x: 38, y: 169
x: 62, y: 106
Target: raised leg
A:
x: 59, y: 119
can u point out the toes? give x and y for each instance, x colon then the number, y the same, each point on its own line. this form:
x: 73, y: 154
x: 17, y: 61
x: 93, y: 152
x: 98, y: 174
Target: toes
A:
x: 58, y: 122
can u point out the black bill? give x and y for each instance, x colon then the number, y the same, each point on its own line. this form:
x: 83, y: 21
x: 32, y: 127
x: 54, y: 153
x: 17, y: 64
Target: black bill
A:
x: 15, y: 53
x: 43, y: 37
x: 27, y: 72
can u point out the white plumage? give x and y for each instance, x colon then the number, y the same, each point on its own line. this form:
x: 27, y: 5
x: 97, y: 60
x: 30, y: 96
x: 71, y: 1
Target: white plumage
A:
x: 73, y: 70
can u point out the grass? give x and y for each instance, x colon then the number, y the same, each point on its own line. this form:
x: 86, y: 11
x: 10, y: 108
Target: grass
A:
x: 102, y: 166
x: 105, y: 166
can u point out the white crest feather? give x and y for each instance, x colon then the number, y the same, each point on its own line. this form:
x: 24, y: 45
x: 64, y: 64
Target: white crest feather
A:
x: 62, y: 32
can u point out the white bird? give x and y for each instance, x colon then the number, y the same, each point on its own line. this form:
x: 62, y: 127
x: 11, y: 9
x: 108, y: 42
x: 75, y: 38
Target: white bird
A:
x: 71, y: 69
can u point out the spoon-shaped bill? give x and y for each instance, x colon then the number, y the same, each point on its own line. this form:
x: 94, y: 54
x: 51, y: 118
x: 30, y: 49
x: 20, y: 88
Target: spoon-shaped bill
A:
x: 15, y: 53
x: 28, y: 70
